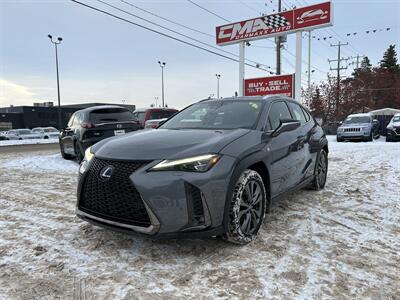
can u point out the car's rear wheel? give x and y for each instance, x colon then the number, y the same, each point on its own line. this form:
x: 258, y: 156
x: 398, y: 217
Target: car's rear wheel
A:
x: 246, y: 208
x: 63, y: 154
x: 321, y: 171
x: 78, y: 152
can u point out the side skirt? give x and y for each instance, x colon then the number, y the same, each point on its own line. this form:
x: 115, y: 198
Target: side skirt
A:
x: 301, y: 185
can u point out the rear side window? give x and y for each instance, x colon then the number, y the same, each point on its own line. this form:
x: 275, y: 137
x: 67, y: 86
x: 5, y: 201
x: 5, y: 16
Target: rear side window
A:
x: 161, y: 114
x: 279, y: 111
x: 110, y: 115
x: 298, y: 113
x: 71, y: 120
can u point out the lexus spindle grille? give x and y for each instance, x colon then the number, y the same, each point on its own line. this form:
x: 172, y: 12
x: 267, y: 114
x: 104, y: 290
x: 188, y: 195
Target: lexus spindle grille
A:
x: 114, y: 198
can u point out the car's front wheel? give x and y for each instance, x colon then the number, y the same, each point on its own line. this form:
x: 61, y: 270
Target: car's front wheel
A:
x: 246, y: 208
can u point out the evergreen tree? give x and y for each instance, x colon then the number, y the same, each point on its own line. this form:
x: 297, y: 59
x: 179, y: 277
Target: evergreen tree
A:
x: 389, y: 61
x: 366, y: 65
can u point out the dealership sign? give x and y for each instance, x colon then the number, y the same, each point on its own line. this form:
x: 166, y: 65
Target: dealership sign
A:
x: 304, y: 18
x: 273, y: 85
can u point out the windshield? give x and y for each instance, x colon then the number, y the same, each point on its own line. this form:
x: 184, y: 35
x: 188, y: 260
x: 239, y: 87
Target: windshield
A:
x: 221, y: 114
x: 24, y: 131
x: 50, y: 129
x: 110, y: 115
x: 352, y: 120
x: 161, y: 114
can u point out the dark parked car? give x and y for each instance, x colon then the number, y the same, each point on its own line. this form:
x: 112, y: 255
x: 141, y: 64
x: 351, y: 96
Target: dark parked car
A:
x: 211, y: 170
x: 145, y: 114
x: 88, y: 126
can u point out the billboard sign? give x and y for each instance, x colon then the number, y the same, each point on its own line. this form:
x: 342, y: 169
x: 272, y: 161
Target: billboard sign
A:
x: 304, y: 18
x: 273, y: 85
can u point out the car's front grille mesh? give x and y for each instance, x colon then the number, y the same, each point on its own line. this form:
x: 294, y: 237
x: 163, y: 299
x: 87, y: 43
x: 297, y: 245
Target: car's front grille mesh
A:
x: 116, y: 198
x: 352, y: 129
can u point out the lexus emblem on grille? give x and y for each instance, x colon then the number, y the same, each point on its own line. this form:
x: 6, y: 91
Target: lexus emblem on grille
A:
x: 106, y: 172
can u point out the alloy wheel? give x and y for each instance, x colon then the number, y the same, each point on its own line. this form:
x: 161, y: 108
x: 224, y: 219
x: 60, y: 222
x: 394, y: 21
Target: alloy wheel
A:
x: 251, y: 209
x: 322, y: 169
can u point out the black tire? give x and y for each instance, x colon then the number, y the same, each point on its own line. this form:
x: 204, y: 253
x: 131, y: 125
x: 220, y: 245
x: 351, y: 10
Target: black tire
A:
x: 63, y: 154
x: 321, y: 171
x: 46, y: 137
x: 339, y: 140
x: 246, y: 209
x: 78, y: 152
x: 370, y: 138
x: 388, y: 139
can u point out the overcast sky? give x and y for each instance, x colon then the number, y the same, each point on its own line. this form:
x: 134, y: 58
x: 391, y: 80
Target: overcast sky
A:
x: 105, y: 60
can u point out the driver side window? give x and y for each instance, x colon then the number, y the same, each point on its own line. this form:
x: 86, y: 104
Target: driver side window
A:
x: 279, y: 111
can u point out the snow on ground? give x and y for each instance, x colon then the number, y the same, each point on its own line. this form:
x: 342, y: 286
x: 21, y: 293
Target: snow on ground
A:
x: 28, y: 142
x: 342, y: 242
x: 42, y: 163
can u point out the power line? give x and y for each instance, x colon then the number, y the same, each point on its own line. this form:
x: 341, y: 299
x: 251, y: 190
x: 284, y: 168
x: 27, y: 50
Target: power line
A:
x: 209, y: 11
x: 166, y: 19
x: 174, y: 31
x: 249, y: 7
x: 162, y: 33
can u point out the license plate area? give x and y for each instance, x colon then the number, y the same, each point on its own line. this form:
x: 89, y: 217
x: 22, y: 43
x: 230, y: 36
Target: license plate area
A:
x: 119, y: 132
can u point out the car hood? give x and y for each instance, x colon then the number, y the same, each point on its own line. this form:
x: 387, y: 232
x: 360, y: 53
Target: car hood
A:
x: 355, y: 125
x: 166, y: 144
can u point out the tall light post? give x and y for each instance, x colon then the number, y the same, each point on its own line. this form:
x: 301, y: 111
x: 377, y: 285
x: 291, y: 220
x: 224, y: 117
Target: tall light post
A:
x: 218, y: 78
x: 58, y: 41
x: 162, y: 65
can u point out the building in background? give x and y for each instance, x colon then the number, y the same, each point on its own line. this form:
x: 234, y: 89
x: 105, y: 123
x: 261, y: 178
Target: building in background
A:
x: 42, y: 114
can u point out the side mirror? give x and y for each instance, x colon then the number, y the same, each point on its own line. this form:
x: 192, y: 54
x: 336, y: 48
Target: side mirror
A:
x: 341, y: 122
x: 286, y: 125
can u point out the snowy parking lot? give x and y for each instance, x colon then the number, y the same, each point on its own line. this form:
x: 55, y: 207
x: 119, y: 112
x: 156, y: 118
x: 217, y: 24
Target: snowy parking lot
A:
x: 342, y: 242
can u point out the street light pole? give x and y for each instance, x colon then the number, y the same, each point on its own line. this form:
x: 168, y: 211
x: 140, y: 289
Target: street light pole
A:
x: 218, y: 77
x: 58, y: 41
x: 162, y: 65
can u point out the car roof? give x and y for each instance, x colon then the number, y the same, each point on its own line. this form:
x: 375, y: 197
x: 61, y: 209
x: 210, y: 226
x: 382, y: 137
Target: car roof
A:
x: 155, y: 109
x: 254, y: 98
x: 92, y: 108
x: 360, y: 115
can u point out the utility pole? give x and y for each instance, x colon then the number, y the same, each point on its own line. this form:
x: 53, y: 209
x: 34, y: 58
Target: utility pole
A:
x: 278, y: 45
x: 357, y: 58
x: 162, y: 65
x: 338, y: 69
x: 59, y: 39
x: 218, y: 78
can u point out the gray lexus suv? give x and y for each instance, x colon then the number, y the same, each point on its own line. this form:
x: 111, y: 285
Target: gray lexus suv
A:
x: 213, y: 169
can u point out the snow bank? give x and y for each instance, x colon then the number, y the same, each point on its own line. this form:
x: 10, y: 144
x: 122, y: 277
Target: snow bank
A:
x: 28, y: 142
x: 38, y: 163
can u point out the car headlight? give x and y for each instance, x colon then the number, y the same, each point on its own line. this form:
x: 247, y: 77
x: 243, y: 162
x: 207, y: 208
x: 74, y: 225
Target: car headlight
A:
x: 200, y: 163
x: 88, y: 154
x: 365, y: 128
x: 87, y: 158
x: 340, y: 129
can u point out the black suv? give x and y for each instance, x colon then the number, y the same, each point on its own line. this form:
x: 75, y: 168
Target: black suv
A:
x: 88, y: 126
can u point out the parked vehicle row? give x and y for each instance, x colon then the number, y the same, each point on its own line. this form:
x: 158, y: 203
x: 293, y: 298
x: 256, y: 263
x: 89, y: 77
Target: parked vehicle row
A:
x: 27, y: 134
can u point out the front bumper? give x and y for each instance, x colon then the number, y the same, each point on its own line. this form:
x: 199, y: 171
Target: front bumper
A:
x: 353, y: 134
x: 393, y: 135
x: 168, y: 203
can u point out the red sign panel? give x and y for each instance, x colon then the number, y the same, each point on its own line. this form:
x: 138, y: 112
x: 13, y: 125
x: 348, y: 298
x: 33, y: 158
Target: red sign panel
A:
x: 274, y: 85
x: 309, y: 17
